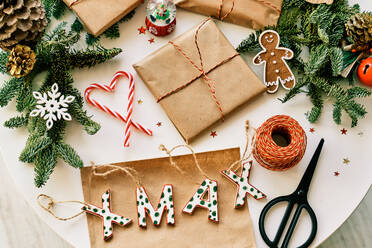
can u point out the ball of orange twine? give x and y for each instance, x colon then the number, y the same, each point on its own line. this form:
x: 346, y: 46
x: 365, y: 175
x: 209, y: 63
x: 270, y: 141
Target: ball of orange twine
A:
x: 278, y: 157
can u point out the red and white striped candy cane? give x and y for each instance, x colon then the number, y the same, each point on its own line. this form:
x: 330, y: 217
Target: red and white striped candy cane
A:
x: 110, y: 88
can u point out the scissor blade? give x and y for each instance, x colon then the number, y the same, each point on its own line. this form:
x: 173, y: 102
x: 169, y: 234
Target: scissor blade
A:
x: 304, y: 185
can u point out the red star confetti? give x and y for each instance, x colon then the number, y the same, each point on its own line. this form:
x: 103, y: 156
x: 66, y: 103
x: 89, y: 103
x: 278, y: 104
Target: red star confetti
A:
x: 159, y: 124
x: 336, y: 173
x: 343, y: 131
x: 312, y: 130
x: 152, y: 40
x: 213, y: 134
x: 346, y: 161
x: 139, y: 101
x: 142, y: 30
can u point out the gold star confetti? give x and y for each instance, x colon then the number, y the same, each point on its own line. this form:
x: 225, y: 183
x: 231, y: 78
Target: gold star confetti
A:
x: 346, y: 161
x: 139, y: 101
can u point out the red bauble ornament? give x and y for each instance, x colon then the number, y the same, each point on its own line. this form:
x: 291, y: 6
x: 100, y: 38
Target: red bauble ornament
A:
x: 365, y: 71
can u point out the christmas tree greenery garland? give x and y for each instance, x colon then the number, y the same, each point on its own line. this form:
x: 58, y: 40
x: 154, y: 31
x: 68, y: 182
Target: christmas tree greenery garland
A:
x: 56, y: 55
x: 57, y: 8
x: 321, y: 30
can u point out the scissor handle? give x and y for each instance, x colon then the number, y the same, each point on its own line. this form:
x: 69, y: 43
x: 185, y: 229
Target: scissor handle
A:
x: 291, y: 202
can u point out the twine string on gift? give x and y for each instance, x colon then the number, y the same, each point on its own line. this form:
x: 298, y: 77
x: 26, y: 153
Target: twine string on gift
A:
x: 169, y: 152
x: 269, y: 4
x: 52, y: 203
x: 132, y: 173
x: 210, y: 82
x: 74, y: 2
x: 220, y: 17
x: 248, y: 144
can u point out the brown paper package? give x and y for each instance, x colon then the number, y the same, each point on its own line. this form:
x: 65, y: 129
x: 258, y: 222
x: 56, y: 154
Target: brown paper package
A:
x: 193, y: 109
x: 234, y: 229
x: 99, y: 15
x: 249, y: 13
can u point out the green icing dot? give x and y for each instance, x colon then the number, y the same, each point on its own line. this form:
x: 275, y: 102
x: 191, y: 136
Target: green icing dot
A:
x: 139, y: 215
x: 146, y: 200
x: 155, y: 222
x: 103, y: 200
x: 95, y: 210
x: 251, y: 189
x: 200, y: 191
x: 204, y: 183
x: 255, y: 196
x: 115, y: 218
x: 238, y: 205
x: 84, y: 208
x: 202, y: 202
x: 167, y: 211
x: 137, y: 203
x: 140, y: 196
x: 144, y: 220
x: 245, y: 187
x: 159, y: 205
x: 104, y: 227
x: 108, y: 199
x: 156, y: 214
x: 103, y: 211
x: 108, y: 218
x: 171, y: 206
x: 241, y: 179
x: 142, y: 203
x: 162, y: 195
x: 121, y: 223
x: 172, y: 215
x: 170, y: 198
x: 110, y: 228
x: 189, y: 206
x: 106, y: 232
x: 192, y: 198
x: 209, y: 205
x: 214, y: 213
x: 215, y: 202
x: 215, y: 188
x: 169, y: 190
x: 235, y: 176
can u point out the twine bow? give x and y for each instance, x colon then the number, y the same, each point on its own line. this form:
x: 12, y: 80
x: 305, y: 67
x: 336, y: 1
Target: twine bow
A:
x: 210, y: 82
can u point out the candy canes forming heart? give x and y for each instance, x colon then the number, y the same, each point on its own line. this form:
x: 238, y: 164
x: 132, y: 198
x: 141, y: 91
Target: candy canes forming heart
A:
x: 126, y: 119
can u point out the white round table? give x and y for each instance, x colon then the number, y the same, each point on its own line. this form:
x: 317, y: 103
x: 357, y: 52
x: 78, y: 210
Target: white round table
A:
x: 337, y: 187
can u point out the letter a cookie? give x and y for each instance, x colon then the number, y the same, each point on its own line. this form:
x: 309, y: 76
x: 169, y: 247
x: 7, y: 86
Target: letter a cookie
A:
x: 273, y: 57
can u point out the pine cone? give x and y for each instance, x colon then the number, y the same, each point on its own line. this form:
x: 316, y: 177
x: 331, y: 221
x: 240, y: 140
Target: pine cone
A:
x: 21, y: 61
x: 20, y: 20
x: 359, y: 28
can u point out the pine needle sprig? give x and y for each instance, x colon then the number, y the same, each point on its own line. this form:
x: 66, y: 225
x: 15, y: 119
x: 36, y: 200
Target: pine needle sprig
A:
x: 56, y: 55
x: 320, y: 29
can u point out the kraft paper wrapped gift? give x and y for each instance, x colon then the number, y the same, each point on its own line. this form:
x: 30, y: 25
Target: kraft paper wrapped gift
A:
x: 99, y: 15
x: 194, y: 101
x: 234, y: 230
x: 254, y: 14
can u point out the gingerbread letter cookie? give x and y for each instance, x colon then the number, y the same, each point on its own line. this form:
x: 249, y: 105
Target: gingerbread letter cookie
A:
x: 273, y: 56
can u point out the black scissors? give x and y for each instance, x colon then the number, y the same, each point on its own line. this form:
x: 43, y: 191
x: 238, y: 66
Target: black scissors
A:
x: 299, y: 197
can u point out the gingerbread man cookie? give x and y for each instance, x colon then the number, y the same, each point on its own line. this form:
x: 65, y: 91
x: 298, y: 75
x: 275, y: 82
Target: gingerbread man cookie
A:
x: 276, y: 69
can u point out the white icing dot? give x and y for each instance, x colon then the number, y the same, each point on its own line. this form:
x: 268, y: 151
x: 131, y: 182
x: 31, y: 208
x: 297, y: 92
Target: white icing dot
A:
x: 277, y: 71
x: 274, y: 62
x: 272, y: 53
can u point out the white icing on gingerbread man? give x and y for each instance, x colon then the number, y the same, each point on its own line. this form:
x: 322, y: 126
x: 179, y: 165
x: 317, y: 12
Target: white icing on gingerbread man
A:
x: 273, y: 56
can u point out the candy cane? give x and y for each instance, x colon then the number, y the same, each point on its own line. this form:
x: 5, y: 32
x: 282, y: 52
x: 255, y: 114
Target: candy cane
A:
x: 126, y: 119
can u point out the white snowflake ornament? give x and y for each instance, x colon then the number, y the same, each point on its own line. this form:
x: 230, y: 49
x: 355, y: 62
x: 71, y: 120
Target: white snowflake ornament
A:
x: 52, y: 106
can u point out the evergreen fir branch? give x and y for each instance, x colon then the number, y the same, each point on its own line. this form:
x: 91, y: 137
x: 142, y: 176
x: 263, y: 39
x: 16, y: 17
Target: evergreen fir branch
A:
x: 337, y: 112
x: 9, y: 90
x: 337, y: 58
x: 358, y: 92
x: 295, y: 90
x: 316, y: 99
x: 68, y: 154
x: 16, y: 122
x: 91, y: 40
x: 45, y: 162
x: 77, y: 26
x: 91, y: 57
x: 55, y: 8
x: 25, y: 99
x: 81, y: 116
x: 128, y: 16
x: 248, y: 45
x: 3, y: 61
x: 34, y: 145
x: 112, y: 32
x: 317, y: 59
